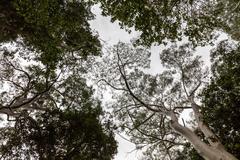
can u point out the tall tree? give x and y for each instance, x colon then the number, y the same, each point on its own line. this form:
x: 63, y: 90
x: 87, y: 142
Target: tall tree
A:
x: 148, y: 107
x: 43, y: 32
x: 221, y: 98
x: 160, y: 21
x: 53, y: 114
x: 44, y: 95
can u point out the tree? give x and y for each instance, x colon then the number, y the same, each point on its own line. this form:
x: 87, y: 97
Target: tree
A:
x: 49, y: 27
x: 221, y: 97
x: 160, y: 21
x: 148, y: 107
x: 53, y: 111
x: 56, y: 134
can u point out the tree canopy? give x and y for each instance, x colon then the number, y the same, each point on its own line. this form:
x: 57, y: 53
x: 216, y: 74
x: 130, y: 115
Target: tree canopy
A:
x: 53, y: 112
x: 221, y: 99
x: 51, y: 27
x: 148, y: 107
x: 45, y: 49
x: 56, y: 134
x: 48, y: 57
x: 160, y: 21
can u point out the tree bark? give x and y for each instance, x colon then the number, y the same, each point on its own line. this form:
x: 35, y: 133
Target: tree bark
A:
x: 208, y: 152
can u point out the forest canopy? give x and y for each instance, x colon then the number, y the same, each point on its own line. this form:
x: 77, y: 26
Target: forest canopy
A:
x: 50, y: 109
x: 54, y: 70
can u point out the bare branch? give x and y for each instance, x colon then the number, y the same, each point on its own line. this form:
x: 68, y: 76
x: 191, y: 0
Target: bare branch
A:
x: 129, y: 107
x: 21, y: 70
x: 195, y: 89
x: 122, y: 89
x: 14, y: 83
x: 144, y: 121
x: 150, y: 135
x: 183, y: 81
x: 123, y: 74
x: 24, y: 102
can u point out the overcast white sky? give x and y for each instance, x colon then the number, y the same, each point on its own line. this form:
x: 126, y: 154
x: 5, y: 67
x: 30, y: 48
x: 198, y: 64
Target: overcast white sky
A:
x: 112, y: 34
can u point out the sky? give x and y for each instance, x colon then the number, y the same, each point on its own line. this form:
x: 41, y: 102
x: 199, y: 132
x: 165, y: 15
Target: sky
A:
x: 111, y: 34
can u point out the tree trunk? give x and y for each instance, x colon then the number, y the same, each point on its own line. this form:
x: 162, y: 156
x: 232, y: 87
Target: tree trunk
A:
x: 206, y: 151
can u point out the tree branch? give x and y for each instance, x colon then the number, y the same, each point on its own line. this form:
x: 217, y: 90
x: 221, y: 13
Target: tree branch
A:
x: 123, y: 74
x: 121, y: 89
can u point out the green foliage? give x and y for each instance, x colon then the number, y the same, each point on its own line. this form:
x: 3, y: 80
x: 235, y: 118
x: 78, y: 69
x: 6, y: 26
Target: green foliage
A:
x: 159, y: 21
x: 188, y: 153
x: 51, y: 27
x: 56, y: 134
x: 222, y: 96
x: 54, y: 113
x: 141, y: 101
x: 221, y: 99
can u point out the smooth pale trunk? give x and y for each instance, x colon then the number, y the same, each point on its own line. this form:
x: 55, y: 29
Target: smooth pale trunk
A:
x: 204, y: 150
